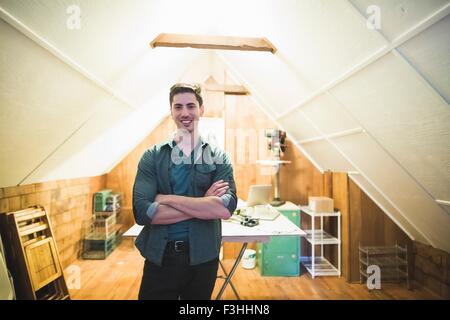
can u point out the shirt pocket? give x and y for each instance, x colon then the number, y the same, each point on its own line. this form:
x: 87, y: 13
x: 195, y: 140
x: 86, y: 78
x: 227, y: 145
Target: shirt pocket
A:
x: 204, y: 174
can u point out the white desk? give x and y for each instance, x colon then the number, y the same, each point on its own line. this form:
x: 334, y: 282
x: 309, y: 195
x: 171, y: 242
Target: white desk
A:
x: 234, y: 232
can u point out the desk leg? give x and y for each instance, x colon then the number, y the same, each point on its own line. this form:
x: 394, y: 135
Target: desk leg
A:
x: 233, y: 269
x: 231, y: 282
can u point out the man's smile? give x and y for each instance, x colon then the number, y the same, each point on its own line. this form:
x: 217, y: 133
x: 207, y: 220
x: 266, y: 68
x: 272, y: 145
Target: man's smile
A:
x: 186, y: 122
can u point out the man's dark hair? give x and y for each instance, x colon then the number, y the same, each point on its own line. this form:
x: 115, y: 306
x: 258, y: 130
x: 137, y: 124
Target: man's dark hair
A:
x: 186, y: 87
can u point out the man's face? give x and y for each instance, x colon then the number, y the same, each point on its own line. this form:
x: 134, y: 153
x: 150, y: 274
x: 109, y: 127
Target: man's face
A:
x: 186, y: 111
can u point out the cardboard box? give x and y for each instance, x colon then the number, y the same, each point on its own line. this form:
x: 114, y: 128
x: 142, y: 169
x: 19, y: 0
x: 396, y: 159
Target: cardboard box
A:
x: 321, y: 204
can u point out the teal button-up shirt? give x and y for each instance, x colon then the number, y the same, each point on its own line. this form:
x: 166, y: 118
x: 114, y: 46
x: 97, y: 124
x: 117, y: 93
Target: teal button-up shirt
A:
x: 153, y: 176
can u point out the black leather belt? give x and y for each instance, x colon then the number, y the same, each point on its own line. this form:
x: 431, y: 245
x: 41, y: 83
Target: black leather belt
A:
x: 177, y: 246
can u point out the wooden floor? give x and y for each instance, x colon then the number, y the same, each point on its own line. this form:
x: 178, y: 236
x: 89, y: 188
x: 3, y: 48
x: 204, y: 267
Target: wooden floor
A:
x: 118, y: 278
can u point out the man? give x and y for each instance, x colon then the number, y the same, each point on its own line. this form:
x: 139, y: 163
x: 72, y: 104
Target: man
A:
x: 183, y: 188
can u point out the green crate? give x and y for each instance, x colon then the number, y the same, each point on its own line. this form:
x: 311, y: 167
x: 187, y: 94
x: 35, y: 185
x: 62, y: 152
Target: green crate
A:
x: 280, y: 256
x: 283, y: 244
x: 100, y: 199
x: 112, y: 202
x: 278, y: 264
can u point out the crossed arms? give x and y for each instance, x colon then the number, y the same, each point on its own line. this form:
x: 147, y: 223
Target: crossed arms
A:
x: 173, y: 208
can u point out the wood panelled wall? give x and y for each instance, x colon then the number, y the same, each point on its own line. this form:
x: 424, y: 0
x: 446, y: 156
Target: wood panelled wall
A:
x: 369, y: 226
x: 432, y: 269
x: 341, y: 199
x: 68, y: 203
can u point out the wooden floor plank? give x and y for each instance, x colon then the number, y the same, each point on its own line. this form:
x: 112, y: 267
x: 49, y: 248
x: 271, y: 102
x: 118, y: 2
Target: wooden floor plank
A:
x: 119, y: 276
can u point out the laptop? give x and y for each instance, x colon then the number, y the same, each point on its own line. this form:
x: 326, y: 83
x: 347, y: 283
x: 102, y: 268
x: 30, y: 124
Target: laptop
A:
x: 258, y: 203
x: 259, y: 194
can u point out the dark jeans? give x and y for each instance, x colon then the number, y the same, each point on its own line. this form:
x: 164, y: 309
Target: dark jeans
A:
x: 176, y: 279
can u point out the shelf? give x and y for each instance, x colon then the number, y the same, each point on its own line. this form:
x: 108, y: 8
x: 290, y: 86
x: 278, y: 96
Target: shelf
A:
x: 322, y: 267
x: 392, y: 261
x: 320, y: 237
x: 384, y: 261
x: 383, y: 250
x: 317, y: 236
x: 388, y: 274
x: 311, y: 213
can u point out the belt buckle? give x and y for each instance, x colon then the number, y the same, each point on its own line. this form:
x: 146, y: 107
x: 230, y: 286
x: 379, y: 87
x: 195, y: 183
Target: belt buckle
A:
x: 176, y: 245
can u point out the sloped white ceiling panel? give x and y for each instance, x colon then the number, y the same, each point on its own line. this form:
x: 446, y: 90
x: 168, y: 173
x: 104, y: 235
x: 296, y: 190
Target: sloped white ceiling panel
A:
x: 326, y: 155
x: 315, y: 120
x: 71, y: 160
x: 270, y: 78
x: 298, y: 126
x: 397, y: 16
x: 406, y: 116
x: 328, y: 115
x: 153, y: 71
x: 43, y: 101
x: 123, y: 61
x: 398, y: 187
x: 107, y: 37
x: 105, y: 139
x: 112, y: 42
x: 200, y: 69
x: 320, y: 40
x: 102, y: 142
x: 110, y: 34
x: 54, y: 101
x: 429, y: 52
x: 388, y: 208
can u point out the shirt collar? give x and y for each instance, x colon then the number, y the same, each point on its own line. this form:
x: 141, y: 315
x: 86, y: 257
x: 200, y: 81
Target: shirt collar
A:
x: 171, y: 142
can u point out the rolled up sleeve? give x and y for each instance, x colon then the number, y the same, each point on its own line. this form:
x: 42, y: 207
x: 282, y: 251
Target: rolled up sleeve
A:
x: 225, y: 172
x: 145, y: 190
x: 152, y: 210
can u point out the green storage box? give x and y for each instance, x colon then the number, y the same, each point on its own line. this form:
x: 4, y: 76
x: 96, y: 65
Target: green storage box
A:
x: 281, y: 256
x: 282, y: 244
x: 278, y: 264
x: 100, y: 199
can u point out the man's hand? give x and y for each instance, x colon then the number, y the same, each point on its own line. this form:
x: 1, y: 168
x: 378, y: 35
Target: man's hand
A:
x: 218, y: 189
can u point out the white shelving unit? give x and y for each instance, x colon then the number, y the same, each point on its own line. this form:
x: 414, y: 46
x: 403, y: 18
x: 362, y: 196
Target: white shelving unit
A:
x: 319, y: 265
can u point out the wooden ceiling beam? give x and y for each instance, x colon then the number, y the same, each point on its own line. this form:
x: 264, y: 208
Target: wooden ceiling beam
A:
x: 212, y: 42
x: 227, y: 89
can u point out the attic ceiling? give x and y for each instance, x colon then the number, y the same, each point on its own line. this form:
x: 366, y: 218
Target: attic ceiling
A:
x: 371, y: 102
